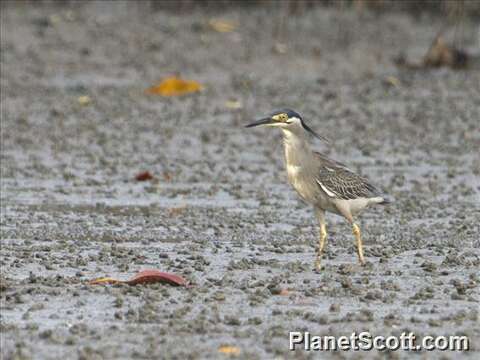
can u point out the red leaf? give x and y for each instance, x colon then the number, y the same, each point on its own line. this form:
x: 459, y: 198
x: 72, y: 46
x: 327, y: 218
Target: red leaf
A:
x: 144, y: 176
x: 144, y: 277
x: 152, y: 276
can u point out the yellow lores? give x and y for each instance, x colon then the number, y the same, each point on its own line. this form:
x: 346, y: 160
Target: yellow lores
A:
x: 280, y: 117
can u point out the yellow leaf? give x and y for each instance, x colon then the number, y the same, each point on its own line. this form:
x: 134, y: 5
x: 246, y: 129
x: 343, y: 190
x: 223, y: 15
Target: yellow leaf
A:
x: 280, y: 48
x: 393, y: 81
x: 174, y: 86
x: 84, y: 100
x: 55, y: 19
x: 233, y: 104
x: 222, y: 26
x: 230, y: 350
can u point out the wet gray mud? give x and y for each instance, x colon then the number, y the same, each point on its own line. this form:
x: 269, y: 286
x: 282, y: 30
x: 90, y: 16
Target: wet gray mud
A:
x: 220, y: 212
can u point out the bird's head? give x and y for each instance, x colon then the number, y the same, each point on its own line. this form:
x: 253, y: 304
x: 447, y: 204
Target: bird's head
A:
x: 287, y: 120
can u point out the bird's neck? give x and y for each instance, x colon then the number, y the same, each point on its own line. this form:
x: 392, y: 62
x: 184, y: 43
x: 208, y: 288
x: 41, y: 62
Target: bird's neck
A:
x: 297, y: 149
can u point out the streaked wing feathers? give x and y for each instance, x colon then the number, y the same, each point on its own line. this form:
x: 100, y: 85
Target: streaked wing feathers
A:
x: 337, y: 181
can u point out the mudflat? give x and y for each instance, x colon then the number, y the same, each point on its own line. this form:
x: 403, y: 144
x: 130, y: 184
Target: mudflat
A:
x: 77, y: 127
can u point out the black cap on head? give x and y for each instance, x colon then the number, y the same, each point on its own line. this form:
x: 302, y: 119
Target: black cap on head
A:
x: 293, y: 114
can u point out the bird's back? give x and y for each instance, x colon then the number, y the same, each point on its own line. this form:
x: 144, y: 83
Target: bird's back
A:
x: 349, y: 192
x: 338, y: 181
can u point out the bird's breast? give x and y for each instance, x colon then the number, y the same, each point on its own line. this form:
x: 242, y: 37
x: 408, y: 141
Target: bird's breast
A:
x: 301, y: 183
x: 293, y: 171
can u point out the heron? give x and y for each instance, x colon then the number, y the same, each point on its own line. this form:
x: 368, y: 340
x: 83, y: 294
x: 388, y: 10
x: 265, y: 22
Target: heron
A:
x: 326, y: 184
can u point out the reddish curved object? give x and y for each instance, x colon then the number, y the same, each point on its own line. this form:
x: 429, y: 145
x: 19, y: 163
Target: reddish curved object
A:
x: 153, y: 276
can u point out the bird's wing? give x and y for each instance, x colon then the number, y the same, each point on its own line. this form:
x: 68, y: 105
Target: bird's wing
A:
x: 339, y: 182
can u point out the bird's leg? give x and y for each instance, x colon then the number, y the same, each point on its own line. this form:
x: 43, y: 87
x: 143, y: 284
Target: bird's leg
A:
x: 358, y: 237
x: 322, y: 239
x: 356, y: 231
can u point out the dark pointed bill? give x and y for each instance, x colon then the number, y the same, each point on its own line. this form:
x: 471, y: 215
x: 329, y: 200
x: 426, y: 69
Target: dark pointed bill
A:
x: 269, y: 120
x: 264, y: 121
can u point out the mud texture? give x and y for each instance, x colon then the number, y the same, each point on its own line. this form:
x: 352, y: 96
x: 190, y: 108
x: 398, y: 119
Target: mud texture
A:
x: 219, y: 211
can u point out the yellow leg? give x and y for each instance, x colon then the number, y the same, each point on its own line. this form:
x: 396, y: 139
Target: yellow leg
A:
x: 321, y: 245
x: 358, y: 237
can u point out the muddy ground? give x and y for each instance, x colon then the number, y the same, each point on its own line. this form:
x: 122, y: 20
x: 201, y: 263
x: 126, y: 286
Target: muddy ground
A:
x: 219, y: 211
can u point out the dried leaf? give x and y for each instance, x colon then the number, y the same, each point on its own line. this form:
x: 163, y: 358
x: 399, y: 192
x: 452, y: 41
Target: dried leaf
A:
x: 144, y: 176
x: 55, y: 19
x: 230, y: 350
x: 284, y: 292
x: 441, y: 54
x: 392, y: 81
x: 144, y: 277
x: 280, y: 48
x: 176, y: 210
x: 222, y: 26
x: 174, y: 86
x: 233, y: 104
x: 84, y: 100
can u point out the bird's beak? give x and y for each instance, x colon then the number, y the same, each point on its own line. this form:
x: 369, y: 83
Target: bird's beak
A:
x: 264, y: 121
